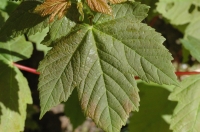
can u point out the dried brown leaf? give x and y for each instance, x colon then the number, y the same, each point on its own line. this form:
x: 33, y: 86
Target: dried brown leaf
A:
x: 53, y: 8
x: 99, y: 6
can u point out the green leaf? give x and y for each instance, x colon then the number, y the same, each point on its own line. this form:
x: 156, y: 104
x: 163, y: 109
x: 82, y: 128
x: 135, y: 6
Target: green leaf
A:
x: 179, y: 11
x: 152, y: 11
x: 193, y: 45
x: 23, y: 21
x: 153, y: 106
x: 186, y: 113
x: 15, y: 93
x: 100, y: 60
x: 193, y: 29
x: 15, y: 50
x: 3, y: 4
x: 97, y: 75
x: 58, y: 29
x: 142, y: 45
x: 37, y: 39
x: 14, y: 97
x: 73, y: 110
x: 3, y: 17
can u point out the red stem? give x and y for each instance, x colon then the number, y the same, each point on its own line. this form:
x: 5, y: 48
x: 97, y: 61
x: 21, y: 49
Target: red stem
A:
x: 24, y: 68
x: 31, y: 70
x: 186, y: 73
x: 153, y: 21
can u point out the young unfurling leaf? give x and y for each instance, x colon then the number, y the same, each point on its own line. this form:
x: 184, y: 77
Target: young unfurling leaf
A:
x: 53, y: 8
x: 102, y: 5
x: 99, y: 6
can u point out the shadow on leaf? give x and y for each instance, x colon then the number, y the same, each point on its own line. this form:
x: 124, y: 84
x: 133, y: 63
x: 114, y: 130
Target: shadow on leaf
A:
x: 23, y: 21
x: 73, y: 110
x: 153, y: 106
x: 9, y: 88
x: 5, y: 51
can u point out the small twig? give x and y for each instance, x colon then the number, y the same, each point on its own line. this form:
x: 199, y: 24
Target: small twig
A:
x: 28, y: 69
x: 153, y: 21
x: 31, y: 70
x: 186, y: 73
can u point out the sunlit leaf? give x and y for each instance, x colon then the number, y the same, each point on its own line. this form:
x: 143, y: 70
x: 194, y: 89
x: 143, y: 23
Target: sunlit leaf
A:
x: 37, y: 39
x: 180, y: 12
x: 15, y: 93
x: 14, y: 97
x: 186, y: 116
x: 15, y: 50
x: 193, y: 45
x: 101, y: 60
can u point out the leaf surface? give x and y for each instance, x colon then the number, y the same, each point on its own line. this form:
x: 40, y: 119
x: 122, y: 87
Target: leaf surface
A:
x: 3, y: 17
x: 154, y: 106
x: 3, y: 4
x: 193, y: 45
x: 37, y: 39
x: 180, y: 12
x: 57, y: 30
x: 101, y: 60
x: 14, y: 97
x: 15, y: 50
x: 186, y: 114
x: 23, y: 21
x: 73, y: 110
x: 15, y: 93
x: 140, y: 42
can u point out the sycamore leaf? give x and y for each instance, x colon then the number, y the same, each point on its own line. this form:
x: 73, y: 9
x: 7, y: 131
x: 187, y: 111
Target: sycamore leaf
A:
x: 99, y: 6
x: 15, y: 93
x: 15, y: 50
x: 193, y: 45
x: 57, y: 30
x: 140, y: 42
x: 23, y: 21
x: 105, y: 86
x: 178, y: 11
x: 14, y: 97
x: 3, y: 4
x: 3, y: 17
x: 37, y: 39
x: 154, y: 105
x: 73, y: 110
x: 186, y: 114
x: 193, y: 29
x: 53, y: 8
x: 100, y: 60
